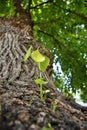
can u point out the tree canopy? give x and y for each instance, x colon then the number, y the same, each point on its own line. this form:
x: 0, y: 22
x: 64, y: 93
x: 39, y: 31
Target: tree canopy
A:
x: 61, y: 25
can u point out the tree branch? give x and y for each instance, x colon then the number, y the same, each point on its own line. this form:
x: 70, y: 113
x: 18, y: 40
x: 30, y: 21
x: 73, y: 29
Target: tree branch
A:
x: 24, y: 14
x: 80, y: 15
x: 71, y: 11
x: 29, y: 13
x: 60, y: 44
x: 68, y: 10
x: 41, y: 4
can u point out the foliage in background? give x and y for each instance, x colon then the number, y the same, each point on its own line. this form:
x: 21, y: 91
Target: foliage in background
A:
x: 61, y: 25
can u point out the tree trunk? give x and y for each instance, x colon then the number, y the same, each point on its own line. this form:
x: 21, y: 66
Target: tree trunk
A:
x: 20, y: 105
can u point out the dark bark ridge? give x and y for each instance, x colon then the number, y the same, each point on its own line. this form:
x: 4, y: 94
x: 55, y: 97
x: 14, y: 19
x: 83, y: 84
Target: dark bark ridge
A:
x: 20, y: 105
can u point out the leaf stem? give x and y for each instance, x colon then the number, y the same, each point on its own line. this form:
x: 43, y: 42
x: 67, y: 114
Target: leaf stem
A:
x: 41, y: 92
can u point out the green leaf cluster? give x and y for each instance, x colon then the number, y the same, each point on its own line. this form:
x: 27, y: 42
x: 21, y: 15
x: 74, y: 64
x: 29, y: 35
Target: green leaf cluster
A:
x: 41, y: 60
x: 42, y: 63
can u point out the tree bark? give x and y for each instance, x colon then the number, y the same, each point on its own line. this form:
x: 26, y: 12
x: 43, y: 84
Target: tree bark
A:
x: 20, y: 105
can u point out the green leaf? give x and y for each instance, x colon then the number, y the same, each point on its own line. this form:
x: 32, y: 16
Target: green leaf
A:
x: 37, y: 56
x: 27, y: 54
x: 43, y: 65
x: 40, y: 81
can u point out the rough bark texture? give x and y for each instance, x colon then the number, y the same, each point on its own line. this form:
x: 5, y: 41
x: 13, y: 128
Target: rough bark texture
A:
x: 20, y: 105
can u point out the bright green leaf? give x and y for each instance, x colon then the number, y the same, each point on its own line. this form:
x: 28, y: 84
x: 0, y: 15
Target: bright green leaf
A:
x: 43, y: 65
x: 27, y: 54
x: 37, y: 56
x: 40, y: 81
